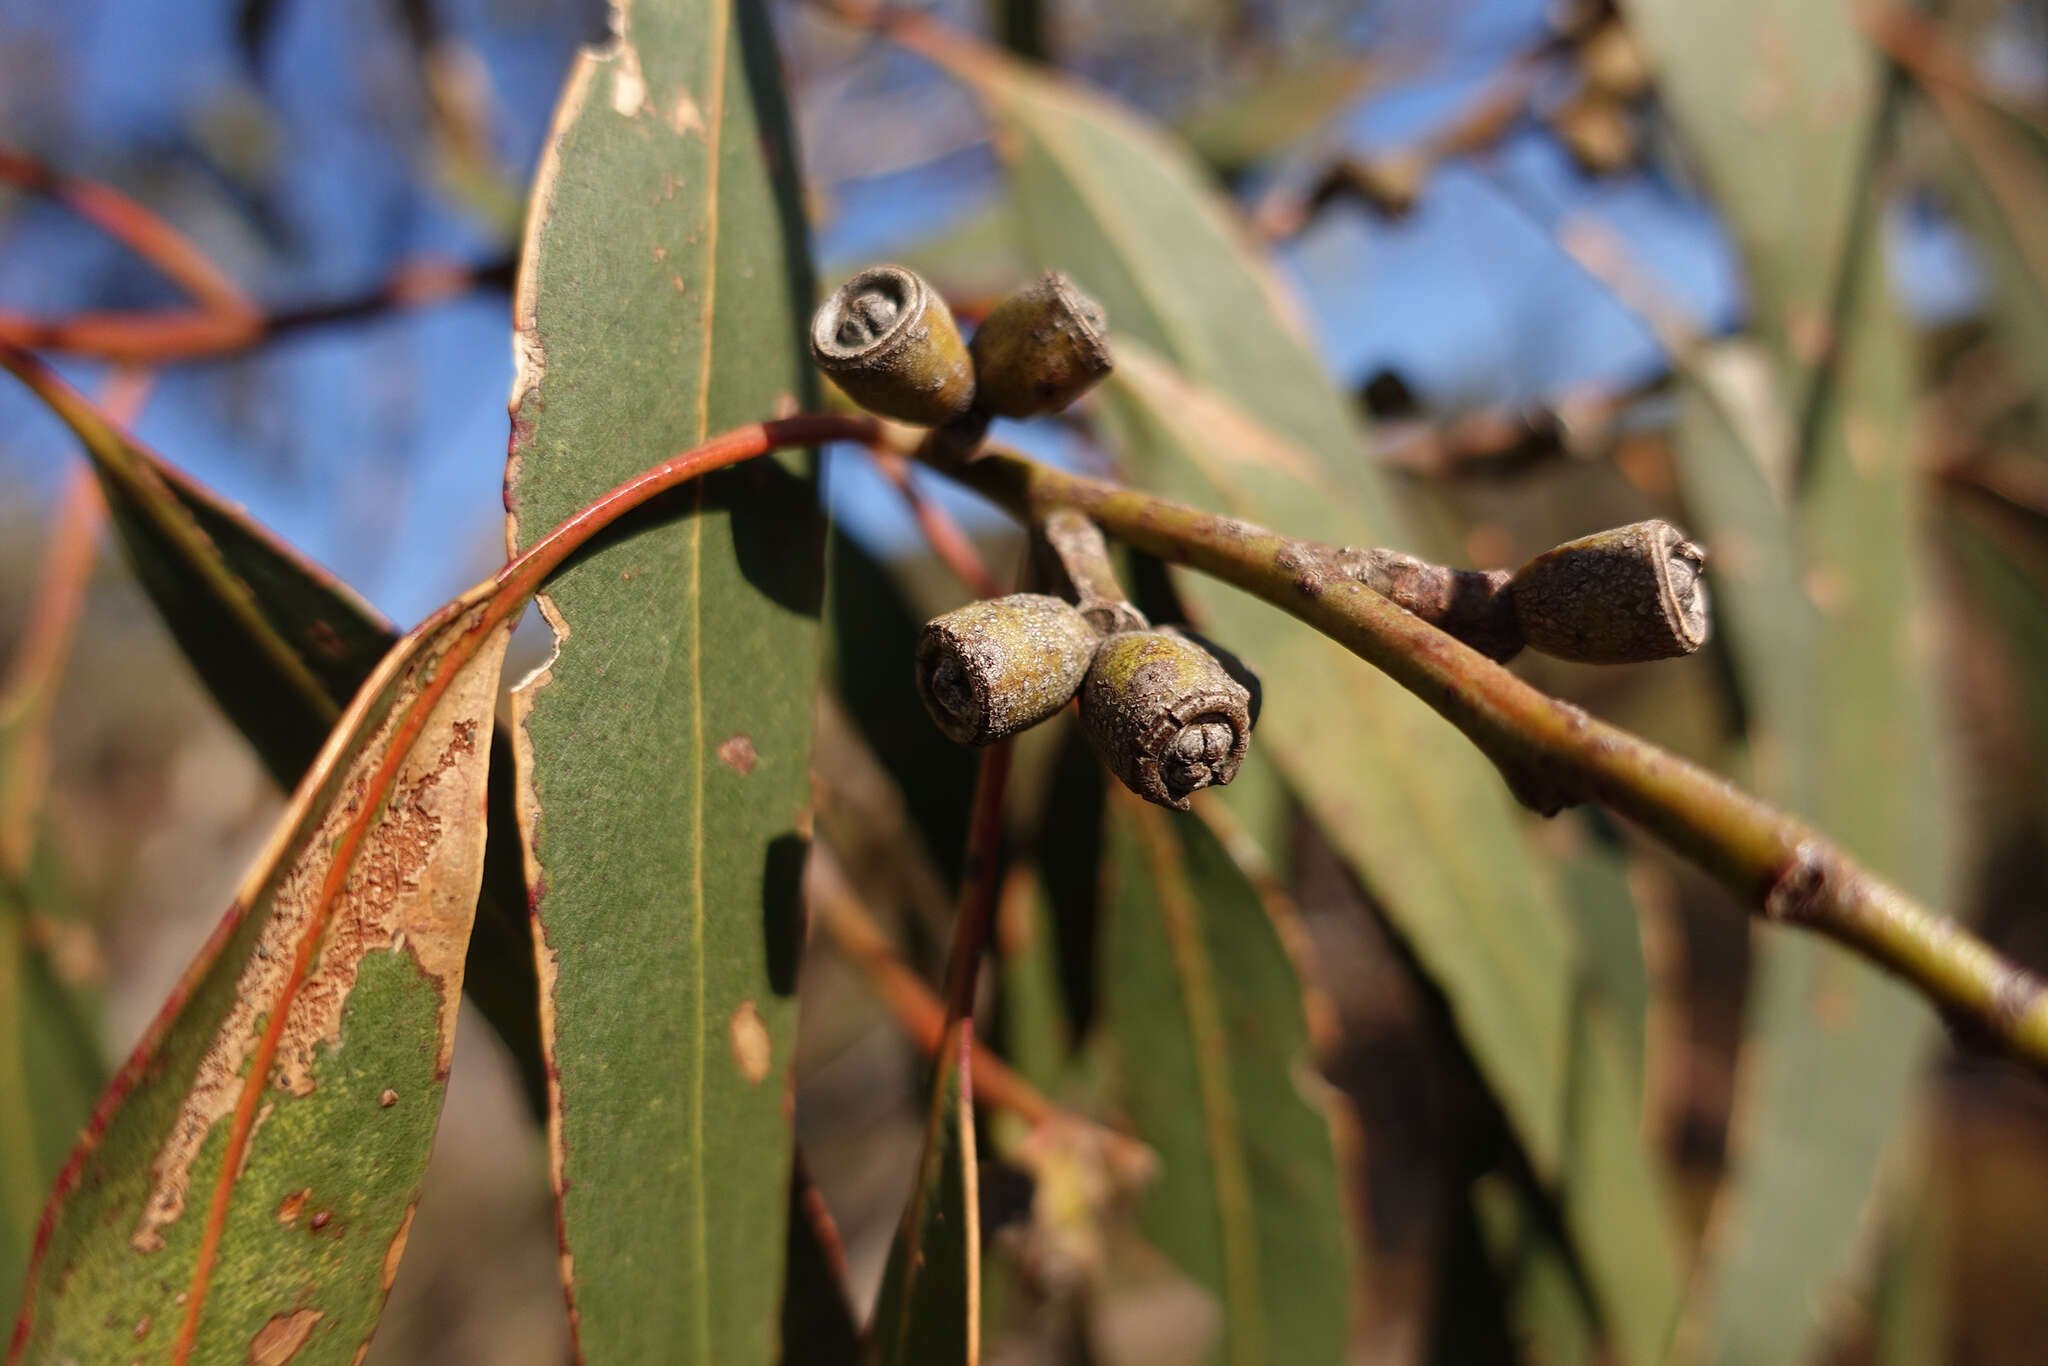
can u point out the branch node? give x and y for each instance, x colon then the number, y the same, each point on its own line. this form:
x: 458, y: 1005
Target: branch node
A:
x: 1801, y: 885
x: 1074, y: 560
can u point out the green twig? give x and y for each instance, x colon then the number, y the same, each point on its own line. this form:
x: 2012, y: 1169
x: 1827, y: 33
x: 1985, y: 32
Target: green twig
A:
x: 1554, y: 754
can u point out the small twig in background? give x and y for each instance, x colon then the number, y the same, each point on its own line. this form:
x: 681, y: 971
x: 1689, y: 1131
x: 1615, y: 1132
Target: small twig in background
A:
x: 918, y: 1011
x: 135, y: 227
x: 952, y: 545
x: 162, y: 336
x: 979, y: 874
x: 29, y: 686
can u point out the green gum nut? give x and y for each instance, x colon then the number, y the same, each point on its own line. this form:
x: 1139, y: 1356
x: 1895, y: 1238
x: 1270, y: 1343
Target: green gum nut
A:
x: 889, y: 341
x: 993, y: 668
x: 1039, y: 350
x: 1616, y: 597
x: 1165, y: 715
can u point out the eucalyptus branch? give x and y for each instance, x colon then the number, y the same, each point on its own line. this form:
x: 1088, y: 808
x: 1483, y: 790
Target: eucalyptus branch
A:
x: 1554, y: 755
x: 917, y: 1010
x: 1073, y: 558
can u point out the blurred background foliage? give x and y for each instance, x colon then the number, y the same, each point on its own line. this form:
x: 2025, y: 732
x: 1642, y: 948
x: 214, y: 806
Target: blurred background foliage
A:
x: 1780, y: 275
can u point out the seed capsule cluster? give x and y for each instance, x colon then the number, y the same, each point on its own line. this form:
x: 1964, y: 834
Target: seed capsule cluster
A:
x: 889, y: 341
x: 1162, y: 711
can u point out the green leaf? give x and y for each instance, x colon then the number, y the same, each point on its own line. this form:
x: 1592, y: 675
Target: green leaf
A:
x: 663, y: 750
x: 929, y: 1310
x: 873, y: 630
x: 1034, y: 1018
x: 1274, y: 110
x: 1822, y: 594
x: 51, y: 1065
x: 1995, y: 177
x: 1543, y: 1304
x: 1602, y: 902
x: 2005, y: 558
x: 247, y: 1182
x: 1429, y: 826
x: 975, y: 257
x: 1207, y: 1014
x: 282, y: 645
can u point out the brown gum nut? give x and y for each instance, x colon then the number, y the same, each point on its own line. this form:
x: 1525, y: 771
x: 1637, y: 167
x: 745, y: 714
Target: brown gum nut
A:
x: 993, y: 668
x: 889, y: 341
x: 1165, y: 715
x: 1039, y: 349
x: 1616, y: 597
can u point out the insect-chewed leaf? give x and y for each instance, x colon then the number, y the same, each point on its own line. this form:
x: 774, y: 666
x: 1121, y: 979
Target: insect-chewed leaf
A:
x: 244, y: 1190
x: 1208, y: 1017
x: 662, y: 297
x: 929, y: 1309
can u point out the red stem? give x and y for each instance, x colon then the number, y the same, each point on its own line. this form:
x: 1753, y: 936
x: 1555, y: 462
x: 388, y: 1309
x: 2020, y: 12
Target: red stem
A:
x: 977, y: 881
x: 952, y: 545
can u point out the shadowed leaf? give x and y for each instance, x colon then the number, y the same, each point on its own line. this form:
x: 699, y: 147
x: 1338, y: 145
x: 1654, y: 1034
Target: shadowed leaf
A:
x: 663, y: 750
x: 249, y: 1177
x: 817, y: 1324
x: 929, y: 1311
x: 1822, y: 591
x: 2006, y: 560
x: 1208, y: 1018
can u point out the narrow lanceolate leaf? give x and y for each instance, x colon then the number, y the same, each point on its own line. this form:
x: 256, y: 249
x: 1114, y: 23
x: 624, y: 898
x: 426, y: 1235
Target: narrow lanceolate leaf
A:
x: 244, y: 1189
x: 50, y: 1061
x: 51, y: 1066
x: 1822, y: 607
x: 1429, y: 826
x: 2004, y: 554
x: 279, y: 642
x: 1275, y: 110
x: 1207, y: 1017
x: 929, y: 1310
x: 281, y: 645
x: 663, y: 750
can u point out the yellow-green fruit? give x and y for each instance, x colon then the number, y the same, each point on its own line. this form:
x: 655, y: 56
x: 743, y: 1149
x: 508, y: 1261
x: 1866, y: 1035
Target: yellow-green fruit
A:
x: 1165, y: 715
x: 1616, y: 597
x: 996, y: 667
x: 889, y: 341
x: 1039, y: 350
